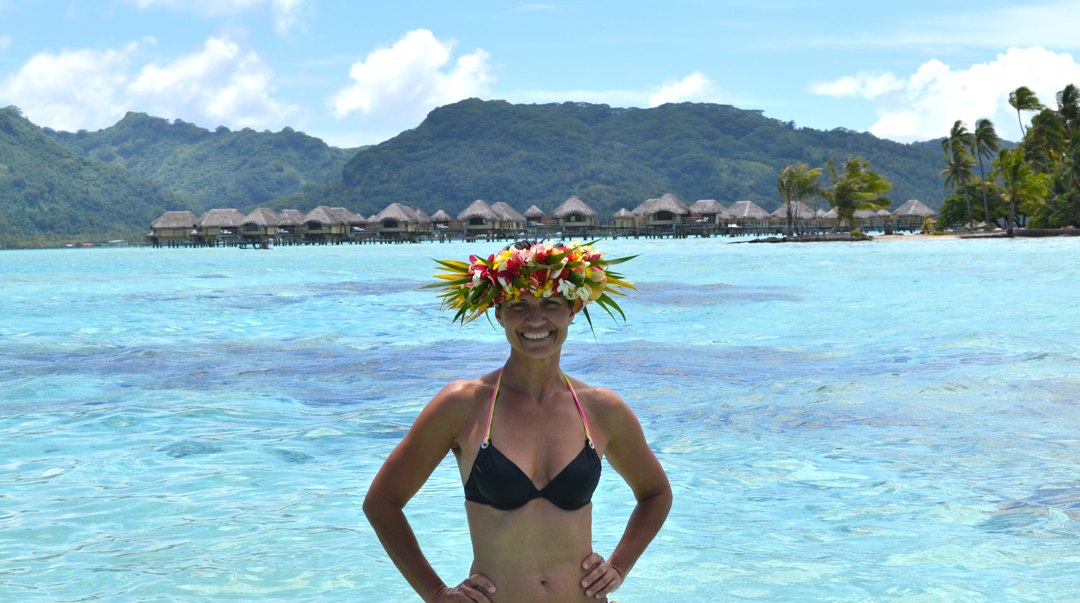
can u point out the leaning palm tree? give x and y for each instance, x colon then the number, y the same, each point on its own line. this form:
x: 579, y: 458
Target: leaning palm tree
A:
x: 795, y: 183
x: 958, y: 173
x: 984, y: 143
x: 1049, y: 131
x: 1019, y: 183
x: 1023, y: 99
x: 1068, y: 102
x: 854, y: 188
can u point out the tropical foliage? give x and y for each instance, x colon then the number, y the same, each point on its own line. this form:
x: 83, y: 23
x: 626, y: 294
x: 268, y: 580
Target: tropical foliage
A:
x: 855, y: 187
x: 219, y: 168
x: 795, y: 183
x: 1038, y: 180
x: 608, y: 157
x: 50, y: 195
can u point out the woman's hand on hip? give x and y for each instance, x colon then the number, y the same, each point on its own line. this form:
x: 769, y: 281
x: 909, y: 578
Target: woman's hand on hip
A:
x: 470, y: 591
x: 602, y: 579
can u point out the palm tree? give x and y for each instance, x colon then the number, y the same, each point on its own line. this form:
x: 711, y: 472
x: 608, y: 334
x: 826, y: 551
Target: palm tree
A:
x: 795, y: 183
x: 1019, y: 183
x: 1068, y: 101
x: 959, y: 171
x: 984, y: 142
x: 1023, y: 99
x: 855, y: 188
x: 1049, y: 131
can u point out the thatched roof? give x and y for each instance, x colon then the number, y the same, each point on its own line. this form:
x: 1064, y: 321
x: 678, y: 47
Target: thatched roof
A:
x: 478, y: 209
x: 799, y: 210
x: 176, y: 219
x: 534, y: 213
x: 867, y: 214
x: 262, y: 217
x: 916, y: 208
x: 668, y: 202
x: 441, y: 216
x: 831, y: 214
x: 705, y: 207
x: 356, y: 220
x: 883, y: 213
x: 821, y: 213
x: 573, y: 206
x: 323, y: 215
x: 507, y: 213
x: 747, y: 210
x: 623, y: 213
x: 290, y: 217
x: 221, y: 218
x: 345, y: 215
x: 421, y: 217
x: 397, y: 212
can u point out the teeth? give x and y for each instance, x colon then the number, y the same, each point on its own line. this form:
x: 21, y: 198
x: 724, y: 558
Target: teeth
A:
x: 535, y: 335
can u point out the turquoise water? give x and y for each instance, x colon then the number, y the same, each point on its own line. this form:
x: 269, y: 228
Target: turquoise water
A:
x: 841, y: 422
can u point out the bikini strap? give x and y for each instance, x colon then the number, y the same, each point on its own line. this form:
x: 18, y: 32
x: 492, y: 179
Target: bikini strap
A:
x: 584, y: 421
x: 491, y: 413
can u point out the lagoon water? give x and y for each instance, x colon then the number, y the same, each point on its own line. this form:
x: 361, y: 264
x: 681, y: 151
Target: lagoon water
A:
x: 841, y: 422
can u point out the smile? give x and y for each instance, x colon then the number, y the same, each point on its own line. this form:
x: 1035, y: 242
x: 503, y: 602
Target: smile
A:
x: 537, y: 336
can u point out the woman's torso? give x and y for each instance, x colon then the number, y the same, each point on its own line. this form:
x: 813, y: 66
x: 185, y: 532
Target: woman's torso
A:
x: 533, y: 553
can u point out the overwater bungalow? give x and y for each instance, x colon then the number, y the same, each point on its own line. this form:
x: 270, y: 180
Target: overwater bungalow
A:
x: 535, y: 216
x: 746, y: 211
x: 172, y: 229
x: 260, y: 225
x: 423, y: 221
x: 440, y: 220
x: 509, y: 218
x: 323, y: 225
x: 219, y: 226
x: 912, y: 214
x: 708, y: 210
x: 623, y: 218
x: 799, y: 211
x: 574, y: 213
x: 479, y: 216
x: 290, y: 225
x: 664, y: 211
x: 356, y: 223
x: 396, y: 220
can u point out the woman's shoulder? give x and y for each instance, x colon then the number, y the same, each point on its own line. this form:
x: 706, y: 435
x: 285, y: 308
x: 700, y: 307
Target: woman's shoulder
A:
x: 605, y: 403
x: 462, y: 396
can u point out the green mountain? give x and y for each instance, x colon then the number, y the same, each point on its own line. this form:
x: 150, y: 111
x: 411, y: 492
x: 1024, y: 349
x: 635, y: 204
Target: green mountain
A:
x: 609, y: 157
x: 49, y: 195
x: 222, y: 168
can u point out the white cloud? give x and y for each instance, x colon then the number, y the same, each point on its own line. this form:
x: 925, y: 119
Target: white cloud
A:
x: 408, y: 79
x: 1048, y: 24
x: 695, y: 87
x: 864, y: 84
x: 5, y: 42
x: 218, y: 84
x: 285, y: 11
x: 925, y: 105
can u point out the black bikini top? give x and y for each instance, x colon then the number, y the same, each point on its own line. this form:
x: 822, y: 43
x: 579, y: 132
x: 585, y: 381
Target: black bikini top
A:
x: 497, y: 482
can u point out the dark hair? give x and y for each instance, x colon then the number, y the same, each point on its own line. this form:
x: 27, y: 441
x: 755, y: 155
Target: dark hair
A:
x: 522, y: 244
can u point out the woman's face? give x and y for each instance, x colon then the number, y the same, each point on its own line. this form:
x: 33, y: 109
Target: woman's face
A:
x: 536, y: 326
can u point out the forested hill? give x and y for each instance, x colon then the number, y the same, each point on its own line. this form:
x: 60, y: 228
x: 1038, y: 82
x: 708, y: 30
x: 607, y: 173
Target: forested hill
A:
x: 49, y: 195
x: 221, y: 168
x: 610, y: 158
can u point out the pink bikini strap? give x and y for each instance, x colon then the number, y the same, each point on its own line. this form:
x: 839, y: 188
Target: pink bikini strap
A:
x: 584, y: 421
x: 491, y: 413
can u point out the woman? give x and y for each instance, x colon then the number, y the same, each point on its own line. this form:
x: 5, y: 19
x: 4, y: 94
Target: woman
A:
x: 528, y: 442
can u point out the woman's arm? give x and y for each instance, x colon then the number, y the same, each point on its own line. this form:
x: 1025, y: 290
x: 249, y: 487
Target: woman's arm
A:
x: 629, y: 454
x: 406, y: 469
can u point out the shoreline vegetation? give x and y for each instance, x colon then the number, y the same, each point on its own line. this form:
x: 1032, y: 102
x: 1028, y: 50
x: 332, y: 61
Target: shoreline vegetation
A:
x: 60, y: 189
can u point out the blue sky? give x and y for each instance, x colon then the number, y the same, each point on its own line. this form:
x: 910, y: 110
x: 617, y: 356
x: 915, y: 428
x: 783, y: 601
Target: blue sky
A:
x: 360, y: 72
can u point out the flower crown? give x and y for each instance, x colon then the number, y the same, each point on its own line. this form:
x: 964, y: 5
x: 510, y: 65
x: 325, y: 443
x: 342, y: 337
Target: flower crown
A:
x: 576, y: 271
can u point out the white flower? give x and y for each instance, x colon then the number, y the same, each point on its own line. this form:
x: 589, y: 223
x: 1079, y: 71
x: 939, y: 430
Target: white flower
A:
x: 566, y: 288
x: 584, y: 292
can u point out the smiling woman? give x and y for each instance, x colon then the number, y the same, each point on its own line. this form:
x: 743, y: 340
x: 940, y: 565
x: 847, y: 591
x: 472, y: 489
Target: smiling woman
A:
x: 529, y: 500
